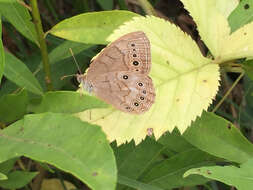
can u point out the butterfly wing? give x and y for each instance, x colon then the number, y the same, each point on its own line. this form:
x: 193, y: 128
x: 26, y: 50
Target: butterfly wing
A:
x: 125, y: 90
x: 130, y: 52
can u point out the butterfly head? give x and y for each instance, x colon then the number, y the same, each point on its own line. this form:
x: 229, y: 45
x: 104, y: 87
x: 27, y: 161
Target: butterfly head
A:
x: 86, y: 85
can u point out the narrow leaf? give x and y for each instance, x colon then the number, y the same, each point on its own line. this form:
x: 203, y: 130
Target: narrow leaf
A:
x: 136, y: 184
x: 20, y: 18
x: 62, y: 51
x: 6, y: 166
x: 3, y: 177
x: 168, y: 174
x: 2, y: 56
x: 17, y: 179
x: 17, y: 72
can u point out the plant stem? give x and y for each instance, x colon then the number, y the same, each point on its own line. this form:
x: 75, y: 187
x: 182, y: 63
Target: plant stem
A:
x: 228, y: 92
x: 147, y: 7
x: 42, y: 42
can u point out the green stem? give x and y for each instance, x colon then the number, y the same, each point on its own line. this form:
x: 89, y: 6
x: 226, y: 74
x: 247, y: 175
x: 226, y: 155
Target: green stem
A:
x: 42, y: 42
x: 228, y: 92
x: 147, y: 7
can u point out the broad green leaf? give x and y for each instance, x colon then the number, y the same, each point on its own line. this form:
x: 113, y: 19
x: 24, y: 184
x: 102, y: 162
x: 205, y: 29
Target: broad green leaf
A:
x: 13, y: 106
x: 132, y: 161
x: 169, y: 139
x: 64, y: 142
x: 211, y: 19
x: 67, y: 102
x: 17, y: 72
x: 219, y: 137
x: 20, y: 18
x: 6, y: 166
x: 242, y: 15
x: 2, y: 57
x: 239, y: 177
x: 17, y: 179
x: 168, y: 173
x: 185, y: 84
x: 106, y: 5
x: 91, y: 28
x: 3, y: 177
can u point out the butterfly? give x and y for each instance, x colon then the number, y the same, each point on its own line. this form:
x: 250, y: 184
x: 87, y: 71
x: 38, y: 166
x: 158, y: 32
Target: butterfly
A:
x: 119, y: 74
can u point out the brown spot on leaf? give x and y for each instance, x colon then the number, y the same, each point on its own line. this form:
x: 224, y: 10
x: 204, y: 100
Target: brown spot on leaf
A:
x: 208, y: 172
x: 229, y: 126
x: 149, y: 131
x: 204, y: 80
x: 94, y: 174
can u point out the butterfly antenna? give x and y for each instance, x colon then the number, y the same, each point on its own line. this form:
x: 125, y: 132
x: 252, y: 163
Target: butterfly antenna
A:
x: 70, y: 49
x: 65, y: 76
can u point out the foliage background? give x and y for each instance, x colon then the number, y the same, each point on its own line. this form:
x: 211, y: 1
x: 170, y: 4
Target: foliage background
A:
x: 68, y: 150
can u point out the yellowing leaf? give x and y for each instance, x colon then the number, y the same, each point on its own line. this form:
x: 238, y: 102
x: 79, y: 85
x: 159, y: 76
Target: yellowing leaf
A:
x: 211, y: 22
x: 239, y: 44
x: 211, y: 19
x: 185, y: 84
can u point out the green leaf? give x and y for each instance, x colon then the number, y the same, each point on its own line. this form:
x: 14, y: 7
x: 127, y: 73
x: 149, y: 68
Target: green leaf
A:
x: 241, y: 178
x: 17, y: 179
x: 17, y: 72
x: 13, y: 106
x: 242, y: 15
x: 6, y: 166
x: 3, y: 177
x: 135, y: 184
x: 248, y: 67
x: 67, y: 102
x: 106, y: 5
x: 132, y: 161
x: 185, y: 83
x: 219, y: 137
x: 64, y: 142
x: 91, y: 28
x: 169, y: 139
x: 168, y: 174
x: 20, y: 18
x: 62, y: 51
x: 2, y: 57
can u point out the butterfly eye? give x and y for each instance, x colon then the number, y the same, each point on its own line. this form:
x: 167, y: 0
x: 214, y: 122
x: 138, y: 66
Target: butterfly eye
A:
x: 127, y: 107
x: 144, y: 92
x: 140, y: 84
x: 142, y: 98
x: 125, y: 77
x: 135, y: 63
x: 136, y: 104
x: 134, y: 55
x: 132, y: 45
